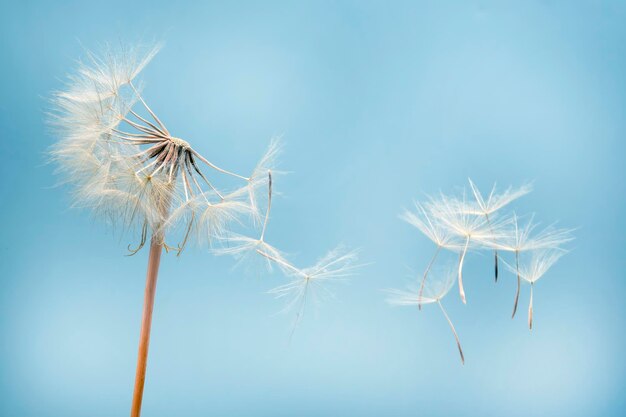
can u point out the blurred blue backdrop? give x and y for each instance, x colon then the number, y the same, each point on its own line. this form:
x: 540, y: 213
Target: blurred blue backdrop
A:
x: 378, y: 103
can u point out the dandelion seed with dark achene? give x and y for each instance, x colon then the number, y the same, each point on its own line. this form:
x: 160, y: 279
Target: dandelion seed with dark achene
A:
x: 540, y: 261
x: 428, y: 224
x: 494, y: 202
x: 459, y: 220
x: 435, y: 289
x: 519, y: 239
x: 126, y: 165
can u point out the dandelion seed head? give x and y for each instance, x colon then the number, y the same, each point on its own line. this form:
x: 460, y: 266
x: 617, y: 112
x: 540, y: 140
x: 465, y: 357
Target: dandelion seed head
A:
x: 125, y: 164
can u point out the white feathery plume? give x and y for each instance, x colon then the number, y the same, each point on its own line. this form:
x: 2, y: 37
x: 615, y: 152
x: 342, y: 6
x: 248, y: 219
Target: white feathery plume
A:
x: 456, y: 217
x: 540, y: 261
x: 131, y: 166
x: 494, y: 202
x: 521, y: 238
x: 126, y: 165
x: 429, y: 225
x: 244, y: 247
x: 433, y: 292
x: 336, y: 265
x: 459, y: 225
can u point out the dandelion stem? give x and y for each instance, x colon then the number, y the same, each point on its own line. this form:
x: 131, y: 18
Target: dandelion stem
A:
x: 519, y: 284
x: 154, y: 260
x: 456, y: 336
x: 461, y: 259
x: 430, y: 264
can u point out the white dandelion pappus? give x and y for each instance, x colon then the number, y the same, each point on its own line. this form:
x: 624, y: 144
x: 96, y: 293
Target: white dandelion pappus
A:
x: 244, y: 247
x: 127, y: 166
x: 520, y: 238
x: 540, y: 261
x: 153, y: 177
x: 433, y: 291
x: 456, y: 216
x: 494, y: 202
x: 427, y: 223
x: 336, y: 265
x: 459, y: 225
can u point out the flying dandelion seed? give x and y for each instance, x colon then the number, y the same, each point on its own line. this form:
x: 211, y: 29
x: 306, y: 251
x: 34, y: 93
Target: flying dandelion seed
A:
x: 457, y: 217
x: 433, y: 292
x: 243, y: 248
x: 335, y: 266
x: 428, y: 224
x: 126, y: 165
x: 494, y: 202
x: 522, y: 238
x: 540, y: 261
x: 458, y: 225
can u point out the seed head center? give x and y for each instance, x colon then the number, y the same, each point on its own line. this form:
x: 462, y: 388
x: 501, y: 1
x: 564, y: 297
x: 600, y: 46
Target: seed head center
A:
x: 180, y: 143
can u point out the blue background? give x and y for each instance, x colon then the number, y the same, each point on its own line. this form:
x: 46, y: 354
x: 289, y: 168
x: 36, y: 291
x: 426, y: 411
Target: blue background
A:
x: 378, y: 103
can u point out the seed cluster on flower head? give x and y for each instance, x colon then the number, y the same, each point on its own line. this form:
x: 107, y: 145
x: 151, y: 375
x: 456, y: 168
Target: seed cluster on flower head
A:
x: 126, y: 165
x: 459, y: 224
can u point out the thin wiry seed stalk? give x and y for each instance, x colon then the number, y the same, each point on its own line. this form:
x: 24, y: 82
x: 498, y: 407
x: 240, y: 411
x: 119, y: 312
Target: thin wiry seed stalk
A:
x: 185, y: 185
x: 223, y: 171
x: 139, y: 140
x: 144, y: 236
x: 300, y: 310
x: 168, y: 155
x: 136, y: 135
x: 461, y: 259
x: 148, y: 151
x: 495, y: 252
x: 187, y: 233
x: 141, y: 127
x: 530, y: 308
x: 456, y: 336
x: 280, y: 262
x: 269, y: 204
x: 155, y: 161
x: 519, y: 283
x: 189, y: 160
x: 174, y: 163
x: 149, y: 109
x: 160, y: 162
x: 430, y: 264
x: 149, y: 123
x: 195, y: 181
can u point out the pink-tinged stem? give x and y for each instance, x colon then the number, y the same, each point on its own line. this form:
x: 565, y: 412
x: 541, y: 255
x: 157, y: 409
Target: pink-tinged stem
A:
x: 156, y: 247
x: 519, y: 284
x: 456, y: 336
x: 461, y: 259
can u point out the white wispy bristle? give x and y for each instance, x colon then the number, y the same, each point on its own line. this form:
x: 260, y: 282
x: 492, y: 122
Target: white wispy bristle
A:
x: 460, y: 225
x: 126, y: 165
